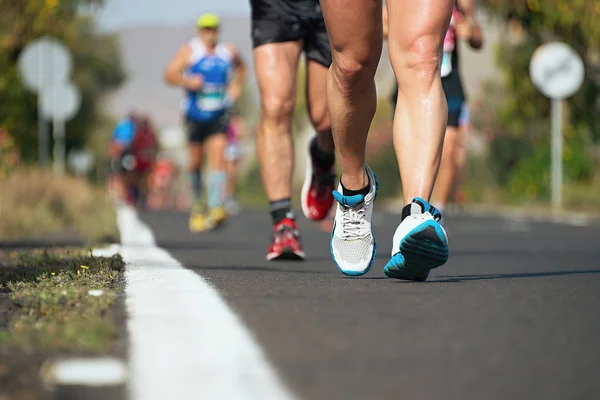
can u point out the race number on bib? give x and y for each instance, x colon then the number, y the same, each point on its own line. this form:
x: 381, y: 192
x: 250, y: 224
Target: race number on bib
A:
x: 210, y: 101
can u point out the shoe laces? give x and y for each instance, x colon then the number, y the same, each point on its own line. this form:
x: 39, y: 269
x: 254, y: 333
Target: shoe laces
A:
x: 284, y: 230
x: 353, y: 221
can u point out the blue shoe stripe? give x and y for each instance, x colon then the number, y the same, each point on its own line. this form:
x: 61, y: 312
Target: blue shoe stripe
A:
x: 418, y: 254
x: 349, y: 201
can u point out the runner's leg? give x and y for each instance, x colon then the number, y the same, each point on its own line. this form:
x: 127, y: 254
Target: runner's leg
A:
x: 356, y: 36
x: 416, y: 33
x: 276, y: 65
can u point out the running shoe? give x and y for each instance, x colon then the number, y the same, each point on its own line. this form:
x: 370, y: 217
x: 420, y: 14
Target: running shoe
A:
x: 200, y: 222
x: 352, y: 243
x: 286, y: 242
x: 420, y: 243
x: 217, y: 215
x: 317, y: 189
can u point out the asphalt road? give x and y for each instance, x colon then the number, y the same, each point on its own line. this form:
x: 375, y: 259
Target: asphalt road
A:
x: 514, y: 314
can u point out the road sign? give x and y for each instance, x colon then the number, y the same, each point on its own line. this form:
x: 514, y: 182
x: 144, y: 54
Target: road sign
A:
x: 558, y: 72
x: 60, y: 102
x: 44, y: 62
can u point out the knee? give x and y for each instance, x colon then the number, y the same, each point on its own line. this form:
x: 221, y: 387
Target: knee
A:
x: 417, y: 59
x: 277, y: 108
x: 353, y: 70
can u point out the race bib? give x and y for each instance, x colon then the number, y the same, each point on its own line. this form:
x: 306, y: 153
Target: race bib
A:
x: 210, y: 101
x: 446, y: 64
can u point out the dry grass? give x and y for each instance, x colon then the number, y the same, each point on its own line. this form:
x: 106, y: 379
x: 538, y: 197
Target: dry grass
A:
x: 34, y: 203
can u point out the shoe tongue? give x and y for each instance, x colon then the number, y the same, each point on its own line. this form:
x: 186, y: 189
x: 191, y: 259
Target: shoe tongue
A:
x: 348, y: 201
x: 415, y: 208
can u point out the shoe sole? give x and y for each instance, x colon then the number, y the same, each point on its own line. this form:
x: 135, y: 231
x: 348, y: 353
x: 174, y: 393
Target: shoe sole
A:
x: 287, y: 254
x: 422, y: 250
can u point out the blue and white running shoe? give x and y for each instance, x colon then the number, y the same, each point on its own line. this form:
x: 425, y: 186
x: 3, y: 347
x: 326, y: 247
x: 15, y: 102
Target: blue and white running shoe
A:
x: 352, y: 242
x: 420, y: 243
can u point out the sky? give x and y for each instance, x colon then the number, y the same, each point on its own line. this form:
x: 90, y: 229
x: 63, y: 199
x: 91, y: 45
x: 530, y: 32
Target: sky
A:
x: 118, y: 14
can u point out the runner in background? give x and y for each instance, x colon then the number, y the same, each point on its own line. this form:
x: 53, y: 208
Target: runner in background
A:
x: 463, y: 26
x: 233, y: 157
x: 212, y: 75
x: 143, y: 150
x: 121, y: 138
x: 458, y: 194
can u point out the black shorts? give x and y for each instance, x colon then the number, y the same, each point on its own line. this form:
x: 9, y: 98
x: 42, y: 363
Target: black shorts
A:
x: 198, y: 131
x: 277, y: 21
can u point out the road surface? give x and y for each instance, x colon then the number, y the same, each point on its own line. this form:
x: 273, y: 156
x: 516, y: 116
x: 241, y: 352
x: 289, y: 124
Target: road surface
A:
x: 514, y: 314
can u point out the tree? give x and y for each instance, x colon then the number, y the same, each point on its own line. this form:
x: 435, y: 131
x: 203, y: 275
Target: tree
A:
x: 97, y: 65
x: 520, y: 114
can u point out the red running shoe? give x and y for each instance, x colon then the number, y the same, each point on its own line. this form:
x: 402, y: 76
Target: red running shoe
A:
x: 317, y: 197
x: 286, y: 242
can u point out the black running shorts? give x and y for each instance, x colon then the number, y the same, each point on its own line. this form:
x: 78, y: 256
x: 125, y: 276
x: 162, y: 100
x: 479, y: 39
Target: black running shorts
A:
x: 277, y: 21
x: 199, y: 131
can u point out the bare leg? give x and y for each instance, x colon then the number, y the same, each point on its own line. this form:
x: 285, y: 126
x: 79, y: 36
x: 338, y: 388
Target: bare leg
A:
x: 448, y: 168
x: 194, y: 166
x: 276, y: 65
x: 216, y: 177
x: 356, y: 36
x: 416, y: 32
x: 316, y: 97
x: 232, y: 167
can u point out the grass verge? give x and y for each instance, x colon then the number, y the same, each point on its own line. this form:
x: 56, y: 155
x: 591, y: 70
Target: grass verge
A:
x: 58, y: 300
x: 35, y: 203
x: 55, y: 303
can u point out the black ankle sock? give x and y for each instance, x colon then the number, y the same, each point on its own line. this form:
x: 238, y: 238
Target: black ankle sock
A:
x: 280, y: 209
x: 364, y: 191
x: 324, y: 159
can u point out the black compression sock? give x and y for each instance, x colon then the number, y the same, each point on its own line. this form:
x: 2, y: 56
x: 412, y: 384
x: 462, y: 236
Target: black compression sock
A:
x: 280, y: 209
x: 364, y: 191
x: 324, y: 159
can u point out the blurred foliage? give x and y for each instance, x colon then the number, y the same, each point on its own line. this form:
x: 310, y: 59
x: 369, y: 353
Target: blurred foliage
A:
x: 514, y: 115
x: 97, y: 65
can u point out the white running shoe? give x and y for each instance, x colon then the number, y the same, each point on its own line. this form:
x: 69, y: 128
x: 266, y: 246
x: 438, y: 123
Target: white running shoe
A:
x: 420, y: 243
x: 352, y: 243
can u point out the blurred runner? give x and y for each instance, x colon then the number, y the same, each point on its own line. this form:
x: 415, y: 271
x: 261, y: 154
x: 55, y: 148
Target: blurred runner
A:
x: 160, y: 182
x: 203, y: 67
x: 463, y: 26
x: 143, y: 150
x: 132, y: 150
x: 233, y: 155
x: 122, y: 137
x: 458, y: 194
x: 281, y: 31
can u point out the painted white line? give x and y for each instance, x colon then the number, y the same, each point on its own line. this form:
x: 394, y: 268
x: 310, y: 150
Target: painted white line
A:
x: 96, y: 372
x: 184, y: 342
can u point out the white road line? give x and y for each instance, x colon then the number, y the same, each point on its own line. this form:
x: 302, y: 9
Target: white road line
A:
x: 184, y: 342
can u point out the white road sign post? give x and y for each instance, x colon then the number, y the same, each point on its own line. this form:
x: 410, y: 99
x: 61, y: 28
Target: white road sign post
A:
x: 60, y: 103
x: 558, y: 72
x: 43, y: 63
